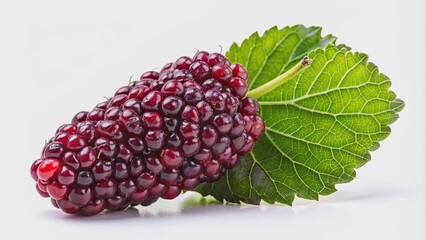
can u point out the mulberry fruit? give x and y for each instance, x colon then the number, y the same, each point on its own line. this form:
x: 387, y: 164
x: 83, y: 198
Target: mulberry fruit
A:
x: 170, y: 131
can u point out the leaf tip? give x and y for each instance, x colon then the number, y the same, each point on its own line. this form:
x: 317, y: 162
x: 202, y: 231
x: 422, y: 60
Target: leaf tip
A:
x: 398, y: 104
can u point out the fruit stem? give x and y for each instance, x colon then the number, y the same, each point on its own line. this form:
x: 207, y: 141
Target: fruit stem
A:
x: 281, y: 79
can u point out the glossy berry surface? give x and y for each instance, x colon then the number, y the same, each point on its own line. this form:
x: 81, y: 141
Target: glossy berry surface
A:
x: 167, y: 132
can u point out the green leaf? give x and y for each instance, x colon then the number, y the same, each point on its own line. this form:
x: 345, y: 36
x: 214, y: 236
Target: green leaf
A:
x: 276, y: 51
x: 320, y: 124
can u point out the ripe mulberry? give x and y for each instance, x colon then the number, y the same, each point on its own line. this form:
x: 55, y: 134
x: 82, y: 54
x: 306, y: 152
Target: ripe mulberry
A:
x: 169, y: 131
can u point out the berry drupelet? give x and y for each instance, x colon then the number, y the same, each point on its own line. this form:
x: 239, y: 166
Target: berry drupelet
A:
x: 169, y: 131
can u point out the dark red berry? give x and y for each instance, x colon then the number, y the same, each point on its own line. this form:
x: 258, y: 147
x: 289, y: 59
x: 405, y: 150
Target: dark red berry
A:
x: 223, y: 123
x: 231, y: 104
x: 152, y: 101
x: 138, y: 92
x: 211, y: 84
x: 135, y: 144
x: 54, y: 203
x: 53, y: 150
x: 164, y: 77
x: 95, y: 115
x: 70, y: 159
x: 190, y: 147
x: 57, y: 190
x: 216, y: 58
x: 172, y: 105
x: 238, y: 125
x: 174, y: 140
x: 105, y: 189
x: 171, y: 157
x: 216, y: 100
x: 136, y: 166
x: 205, y: 111
x: 88, y: 132
x: 106, y: 148
x: 222, y: 73
x: 208, y: 136
x: 87, y: 157
x: 200, y: 70
x: 239, y: 71
x: 201, y: 56
x: 132, y: 123
x: 203, y: 156
x: 117, y: 100
x: 212, y: 169
x: 152, y: 120
x: 79, y: 117
x: 181, y: 75
x: 166, y: 67
x: 111, y: 130
x: 61, y: 138
x: 66, y: 176
x: 258, y: 128
x: 191, y: 84
x: 102, y: 170
x: 116, y: 203
x: 188, y: 130
x: 138, y: 196
x: 249, y: 106
x: 190, y: 113
x: 167, y: 132
x: 34, y: 168
x: 169, y: 176
x: 231, y: 162
x: 124, y: 153
x: 225, y: 156
x: 126, y: 188
x: 220, y: 146
x: 80, y: 196
x: 67, y: 128
x: 85, y: 178
x: 121, y: 170
x: 157, y: 190
x: 190, y: 169
x: 172, y: 87
x: 123, y: 90
x: 153, y: 164
x: 170, y: 124
x: 145, y: 180
x: 133, y: 104
x: 102, y: 105
x: 238, y: 86
x: 182, y: 63
x: 42, y: 185
x: 171, y: 192
x: 193, y: 95
x: 48, y: 169
x: 247, y: 146
x: 76, y: 143
x: 94, y: 207
x: 68, y: 207
x: 154, y: 139
x: 190, y: 183
x: 41, y: 192
x: 150, y: 75
x: 127, y: 115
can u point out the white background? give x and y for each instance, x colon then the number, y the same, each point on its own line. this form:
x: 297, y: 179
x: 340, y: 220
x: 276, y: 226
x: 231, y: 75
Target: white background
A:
x: 59, y: 57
